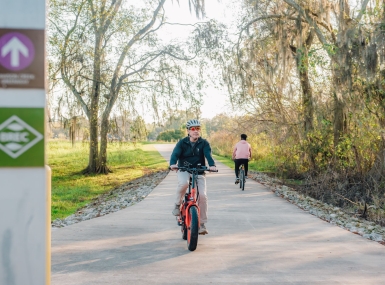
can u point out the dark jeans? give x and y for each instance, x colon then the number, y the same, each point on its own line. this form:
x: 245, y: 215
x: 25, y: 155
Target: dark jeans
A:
x: 238, y: 163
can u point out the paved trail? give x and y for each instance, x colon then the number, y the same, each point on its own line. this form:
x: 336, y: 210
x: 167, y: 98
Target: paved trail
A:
x: 254, y: 238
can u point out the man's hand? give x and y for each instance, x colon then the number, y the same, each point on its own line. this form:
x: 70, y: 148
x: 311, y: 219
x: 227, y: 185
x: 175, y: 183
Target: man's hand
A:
x: 213, y: 168
x: 174, y: 167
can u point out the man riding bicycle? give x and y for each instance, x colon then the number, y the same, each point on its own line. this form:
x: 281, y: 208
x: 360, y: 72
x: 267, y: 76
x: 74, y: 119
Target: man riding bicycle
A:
x: 241, y: 155
x: 191, y: 151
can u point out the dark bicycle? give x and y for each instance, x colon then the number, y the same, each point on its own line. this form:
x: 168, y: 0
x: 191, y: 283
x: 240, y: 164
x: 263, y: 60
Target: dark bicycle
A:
x: 242, y: 177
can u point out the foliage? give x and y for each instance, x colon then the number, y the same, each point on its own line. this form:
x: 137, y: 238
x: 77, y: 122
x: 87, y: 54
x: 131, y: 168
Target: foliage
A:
x: 106, y: 53
x: 223, y: 140
x: 138, y: 129
x: 170, y: 135
x: 172, y: 120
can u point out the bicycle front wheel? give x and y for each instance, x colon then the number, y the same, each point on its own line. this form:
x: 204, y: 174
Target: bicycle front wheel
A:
x: 192, y: 231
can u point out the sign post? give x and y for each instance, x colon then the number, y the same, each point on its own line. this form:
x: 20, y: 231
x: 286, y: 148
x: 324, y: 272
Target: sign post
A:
x: 25, y: 198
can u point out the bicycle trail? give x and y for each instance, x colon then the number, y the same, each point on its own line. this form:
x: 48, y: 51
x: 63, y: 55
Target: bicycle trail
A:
x: 254, y: 237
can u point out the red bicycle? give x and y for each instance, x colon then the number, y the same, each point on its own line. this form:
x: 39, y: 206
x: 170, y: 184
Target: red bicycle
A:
x: 189, y: 209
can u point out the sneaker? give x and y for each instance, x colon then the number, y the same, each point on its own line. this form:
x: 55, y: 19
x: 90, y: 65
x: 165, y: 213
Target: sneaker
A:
x: 203, y: 230
x: 176, y: 211
x: 236, y: 180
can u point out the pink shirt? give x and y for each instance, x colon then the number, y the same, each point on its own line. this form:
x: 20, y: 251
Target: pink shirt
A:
x: 242, y: 150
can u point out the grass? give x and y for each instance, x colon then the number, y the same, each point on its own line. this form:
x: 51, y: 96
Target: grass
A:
x: 72, y: 190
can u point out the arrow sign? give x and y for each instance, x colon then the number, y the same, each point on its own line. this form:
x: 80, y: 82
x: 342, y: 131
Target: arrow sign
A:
x: 16, y: 51
x: 15, y: 47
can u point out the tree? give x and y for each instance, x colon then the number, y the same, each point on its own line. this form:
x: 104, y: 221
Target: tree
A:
x: 337, y: 38
x: 106, y: 50
x: 170, y: 135
x: 266, y: 72
x: 138, y: 129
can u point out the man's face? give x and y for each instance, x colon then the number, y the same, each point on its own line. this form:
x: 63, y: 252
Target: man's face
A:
x: 194, y: 132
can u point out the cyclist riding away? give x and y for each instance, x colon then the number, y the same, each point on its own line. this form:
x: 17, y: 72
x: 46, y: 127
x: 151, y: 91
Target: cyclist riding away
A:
x: 191, y: 151
x: 241, y: 155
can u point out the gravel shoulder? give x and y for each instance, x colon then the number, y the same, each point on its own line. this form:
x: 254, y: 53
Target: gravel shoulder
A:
x: 329, y: 213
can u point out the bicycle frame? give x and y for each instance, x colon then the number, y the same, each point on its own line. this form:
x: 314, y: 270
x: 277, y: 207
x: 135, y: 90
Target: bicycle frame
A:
x: 190, y: 199
x: 189, y: 217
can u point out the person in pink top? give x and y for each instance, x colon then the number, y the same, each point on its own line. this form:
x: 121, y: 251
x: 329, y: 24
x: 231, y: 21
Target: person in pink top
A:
x: 241, y: 155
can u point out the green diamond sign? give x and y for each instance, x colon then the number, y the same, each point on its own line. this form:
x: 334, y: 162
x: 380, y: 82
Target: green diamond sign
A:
x: 21, y: 137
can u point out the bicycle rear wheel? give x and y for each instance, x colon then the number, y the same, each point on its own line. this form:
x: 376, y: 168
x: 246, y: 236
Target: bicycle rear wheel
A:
x: 242, y: 179
x: 192, y: 231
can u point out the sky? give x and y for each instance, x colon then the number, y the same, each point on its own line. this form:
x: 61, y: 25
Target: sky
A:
x: 216, y: 101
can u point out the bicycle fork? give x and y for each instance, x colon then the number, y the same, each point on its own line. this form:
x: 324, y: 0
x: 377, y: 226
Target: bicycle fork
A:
x: 189, y: 201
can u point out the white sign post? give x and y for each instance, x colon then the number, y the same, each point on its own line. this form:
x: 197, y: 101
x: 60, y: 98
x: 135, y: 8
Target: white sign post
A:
x: 25, y: 190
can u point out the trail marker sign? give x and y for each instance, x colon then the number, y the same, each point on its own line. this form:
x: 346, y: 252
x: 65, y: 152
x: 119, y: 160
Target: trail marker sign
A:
x: 16, y: 51
x: 21, y: 58
x: 22, y: 137
x: 25, y: 227
x: 16, y: 136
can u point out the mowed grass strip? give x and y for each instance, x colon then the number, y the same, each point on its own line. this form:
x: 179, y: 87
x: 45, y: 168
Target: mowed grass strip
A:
x: 72, y: 190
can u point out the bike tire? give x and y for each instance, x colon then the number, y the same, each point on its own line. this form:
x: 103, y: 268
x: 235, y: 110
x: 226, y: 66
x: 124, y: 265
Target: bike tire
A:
x: 193, y: 231
x: 241, y: 179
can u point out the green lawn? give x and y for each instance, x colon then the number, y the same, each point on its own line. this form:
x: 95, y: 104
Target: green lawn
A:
x: 72, y: 190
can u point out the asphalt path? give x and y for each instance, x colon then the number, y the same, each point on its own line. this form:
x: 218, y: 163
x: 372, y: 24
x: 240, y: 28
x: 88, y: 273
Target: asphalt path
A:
x: 254, y: 237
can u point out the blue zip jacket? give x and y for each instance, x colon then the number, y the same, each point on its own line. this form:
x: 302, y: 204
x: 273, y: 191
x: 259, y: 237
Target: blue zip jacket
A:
x: 184, y: 152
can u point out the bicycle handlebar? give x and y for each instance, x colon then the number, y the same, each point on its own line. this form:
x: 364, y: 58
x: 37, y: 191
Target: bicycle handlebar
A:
x: 193, y: 169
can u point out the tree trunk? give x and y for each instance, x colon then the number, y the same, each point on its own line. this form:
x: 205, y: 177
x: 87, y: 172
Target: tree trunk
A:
x: 307, y: 101
x: 342, y: 81
x: 93, y: 162
x: 308, y: 108
x: 302, y: 60
x: 72, y: 131
x: 103, y: 168
x: 339, y: 115
x: 94, y: 143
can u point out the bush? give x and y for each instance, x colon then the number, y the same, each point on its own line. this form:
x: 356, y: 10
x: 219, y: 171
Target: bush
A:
x: 170, y: 135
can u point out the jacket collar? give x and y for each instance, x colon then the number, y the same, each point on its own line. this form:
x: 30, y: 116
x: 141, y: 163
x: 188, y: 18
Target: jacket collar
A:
x: 187, y: 139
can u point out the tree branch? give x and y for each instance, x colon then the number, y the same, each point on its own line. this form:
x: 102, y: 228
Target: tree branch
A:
x: 309, y: 19
x: 123, y: 55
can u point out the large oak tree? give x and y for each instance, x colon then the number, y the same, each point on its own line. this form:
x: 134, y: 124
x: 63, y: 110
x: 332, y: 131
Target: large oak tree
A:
x: 107, y: 49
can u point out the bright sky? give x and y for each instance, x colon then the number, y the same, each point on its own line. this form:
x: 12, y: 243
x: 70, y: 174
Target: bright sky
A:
x: 215, y: 101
